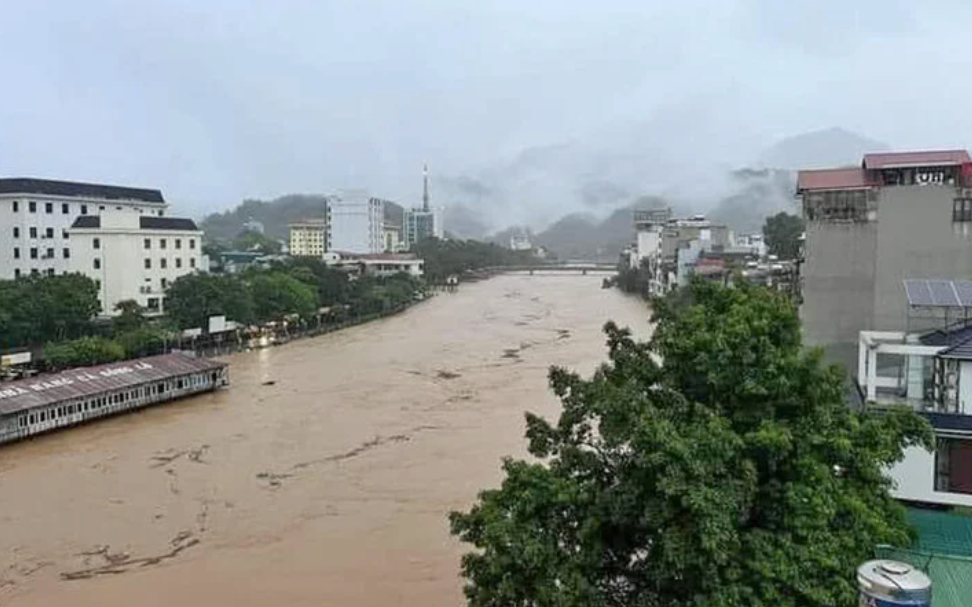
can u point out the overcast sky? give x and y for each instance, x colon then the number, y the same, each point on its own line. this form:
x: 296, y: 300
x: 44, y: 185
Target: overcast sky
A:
x: 217, y: 100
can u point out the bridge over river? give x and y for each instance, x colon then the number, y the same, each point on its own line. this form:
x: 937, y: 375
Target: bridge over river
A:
x: 559, y: 268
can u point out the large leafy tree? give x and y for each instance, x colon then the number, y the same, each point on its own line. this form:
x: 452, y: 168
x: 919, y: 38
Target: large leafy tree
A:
x: 193, y: 298
x: 46, y: 308
x: 276, y: 295
x: 716, y: 465
x: 782, y: 233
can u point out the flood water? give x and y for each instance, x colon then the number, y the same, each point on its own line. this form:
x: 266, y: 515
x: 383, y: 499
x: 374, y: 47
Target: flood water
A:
x: 329, y: 486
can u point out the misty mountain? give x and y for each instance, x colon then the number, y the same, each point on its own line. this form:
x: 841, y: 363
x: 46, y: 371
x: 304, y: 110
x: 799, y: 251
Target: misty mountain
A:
x: 275, y: 215
x: 583, y: 236
x: 827, y: 148
x: 755, y: 195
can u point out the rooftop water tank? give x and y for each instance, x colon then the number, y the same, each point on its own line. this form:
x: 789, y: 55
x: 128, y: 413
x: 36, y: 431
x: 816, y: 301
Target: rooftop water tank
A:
x: 892, y: 584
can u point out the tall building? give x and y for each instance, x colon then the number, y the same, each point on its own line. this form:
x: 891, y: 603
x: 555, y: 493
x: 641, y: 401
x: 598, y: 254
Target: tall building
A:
x: 132, y: 256
x: 897, y: 216
x: 424, y: 222
x: 393, y: 226
x: 35, y: 215
x: 308, y: 238
x: 357, y: 223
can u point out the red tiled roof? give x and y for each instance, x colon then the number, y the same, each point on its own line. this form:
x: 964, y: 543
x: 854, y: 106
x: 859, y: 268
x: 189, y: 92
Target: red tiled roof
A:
x: 884, y: 160
x: 832, y: 179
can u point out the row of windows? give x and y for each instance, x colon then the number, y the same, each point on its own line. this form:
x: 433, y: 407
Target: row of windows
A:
x: 114, y: 399
x: 48, y: 233
x: 48, y: 254
x: 163, y: 263
x: 962, y: 210
x: 66, y: 208
x: 163, y: 243
x: 35, y: 272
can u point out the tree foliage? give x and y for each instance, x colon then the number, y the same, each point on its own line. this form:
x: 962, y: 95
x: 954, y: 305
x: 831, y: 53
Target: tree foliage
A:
x: 782, y: 233
x: 444, y: 258
x: 248, y: 240
x: 193, y: 298
x: 276, y: 295
x: 82, y: 352
x: 46, y: 308
x: 732, y: 474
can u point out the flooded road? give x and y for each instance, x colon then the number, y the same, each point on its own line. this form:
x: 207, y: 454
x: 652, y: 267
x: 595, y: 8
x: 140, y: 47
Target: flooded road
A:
x: 322, y: 476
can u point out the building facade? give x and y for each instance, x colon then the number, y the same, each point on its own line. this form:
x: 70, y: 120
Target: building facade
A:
x: 134, y: 257
x: 308, y: 238
x: 36, y: 214
x: 421, y: 224
x: 898, y: 216
x: 357, y: 223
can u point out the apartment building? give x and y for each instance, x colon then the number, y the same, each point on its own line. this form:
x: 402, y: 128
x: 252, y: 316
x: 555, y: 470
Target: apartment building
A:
x: 357, y: 222
x: 36, y: 214
x: 897, y: 216
x: 308, y: 238
x: 133, y: 256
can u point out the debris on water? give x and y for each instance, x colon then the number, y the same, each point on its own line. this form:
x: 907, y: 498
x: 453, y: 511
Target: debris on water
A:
x: 270, y: 382
x: 443, y: 374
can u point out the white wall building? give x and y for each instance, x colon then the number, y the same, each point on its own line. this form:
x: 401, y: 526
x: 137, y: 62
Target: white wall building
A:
x: 382, y: 264
x: 134, y: 257
x: 308, y: 238
x: 35, y: 215
x: 357, y: 222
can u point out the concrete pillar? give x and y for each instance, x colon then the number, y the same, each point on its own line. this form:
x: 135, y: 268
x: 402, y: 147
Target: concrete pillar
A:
x: 862, y: 349
x: 872, y: 374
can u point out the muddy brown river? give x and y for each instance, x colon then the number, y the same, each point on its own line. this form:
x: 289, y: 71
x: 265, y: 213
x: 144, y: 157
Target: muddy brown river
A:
x: 329, y: 487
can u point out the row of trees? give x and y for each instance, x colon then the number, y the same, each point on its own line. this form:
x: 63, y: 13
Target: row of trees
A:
x: 297, y: 287
x: 39, y: 309
x: 715, y: 465
x: 444, y: 258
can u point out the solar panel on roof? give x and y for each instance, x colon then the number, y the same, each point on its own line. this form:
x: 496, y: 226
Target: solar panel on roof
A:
x: 943, y: 293
x: 918, y: 293
x: 964, y: 290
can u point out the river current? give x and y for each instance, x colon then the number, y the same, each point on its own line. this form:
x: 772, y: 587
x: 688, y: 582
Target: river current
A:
x: 322, y: 476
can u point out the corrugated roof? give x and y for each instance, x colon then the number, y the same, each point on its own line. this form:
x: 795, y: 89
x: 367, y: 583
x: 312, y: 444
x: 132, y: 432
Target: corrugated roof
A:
x: 74, y: 189
x: 951, y: 576
x: 939, y: 337
x: 24, y: 394
x: 890, y: 160
x: 833, y: 179
x: 941, y: 532
x: 145, y: 222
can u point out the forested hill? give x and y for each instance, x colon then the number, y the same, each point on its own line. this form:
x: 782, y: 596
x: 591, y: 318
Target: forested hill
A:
x: 274, y: 215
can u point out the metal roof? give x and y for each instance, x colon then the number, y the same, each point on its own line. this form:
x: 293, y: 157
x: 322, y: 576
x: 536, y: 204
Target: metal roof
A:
x: 833, y: 179
x: 73, y: 189
x: 23, y: 394
x: 941, y: 337
x: 895, y: 160
x: 951, y: 576
x: 939, y: 293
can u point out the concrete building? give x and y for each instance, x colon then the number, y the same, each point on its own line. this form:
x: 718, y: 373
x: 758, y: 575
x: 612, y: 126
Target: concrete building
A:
x: 649, y: 224
x: 678, y: 233
x: 35, y: 215
x: 383, y: 264
x: 393, y: 226
x: 425, y: 221
x: 134, y: 256
x: 896, y: 216
x: 357, y: 223
x: 308, y: 238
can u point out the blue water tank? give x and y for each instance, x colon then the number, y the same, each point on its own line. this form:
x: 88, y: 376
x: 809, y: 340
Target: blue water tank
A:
x: 886, y: 583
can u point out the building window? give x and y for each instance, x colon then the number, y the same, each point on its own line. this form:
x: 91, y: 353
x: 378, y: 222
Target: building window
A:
x: 162, y: 263
x: 34, y: 272
x: 953, y: 466
x: 162, y: 243
x: 96, y: 243
x: 962, y: 209
x: 164, y: 283
x: 16, y: 206
x: 65, y: 235
x: 101, y: 208
x: 98, y: 284
x: 192, y: 243
x: 49, y: 233
x: 84, y: 209
x: 178, y: 243
x: 16, y: 272
x: 33, y: 232
x: 97, y: 263
x: 16, y: 252
x: 67, y: 253
x: 50, y: 271
x: 148, y: 263
x: 48, y: 207
x: 50, y: 253
x: 153, y: 306
x: 32, y: 206
x: 192, y: 262
x: 147, y: 243
x: 16, y: 232
x: 64, y: 209
x: 178, y: 263
x: 33, y: 252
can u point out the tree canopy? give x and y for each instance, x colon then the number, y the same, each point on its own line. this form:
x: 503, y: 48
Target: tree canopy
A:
x: 782, y: 233
x: 444, y: 258
x: 715, y: 465
x: 46, y: 308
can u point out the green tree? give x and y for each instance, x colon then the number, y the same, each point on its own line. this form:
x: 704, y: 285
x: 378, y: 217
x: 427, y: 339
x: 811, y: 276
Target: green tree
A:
x: 782, y: 233
x: 145, y: 340
x: 46, y: 308
x: 732, y: 474
x: 276, y: 295
x: 193, y: 298
x: 130, y: 316
x: 82, y: 352
x: 249, y: 240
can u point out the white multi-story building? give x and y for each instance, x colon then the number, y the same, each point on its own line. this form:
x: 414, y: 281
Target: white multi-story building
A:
x: 134, y: 257
x: 308, y: 238
x: 35, y: 215
x: 357, y: 223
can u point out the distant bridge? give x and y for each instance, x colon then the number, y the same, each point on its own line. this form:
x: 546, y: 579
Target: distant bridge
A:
x: 551, y: 268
